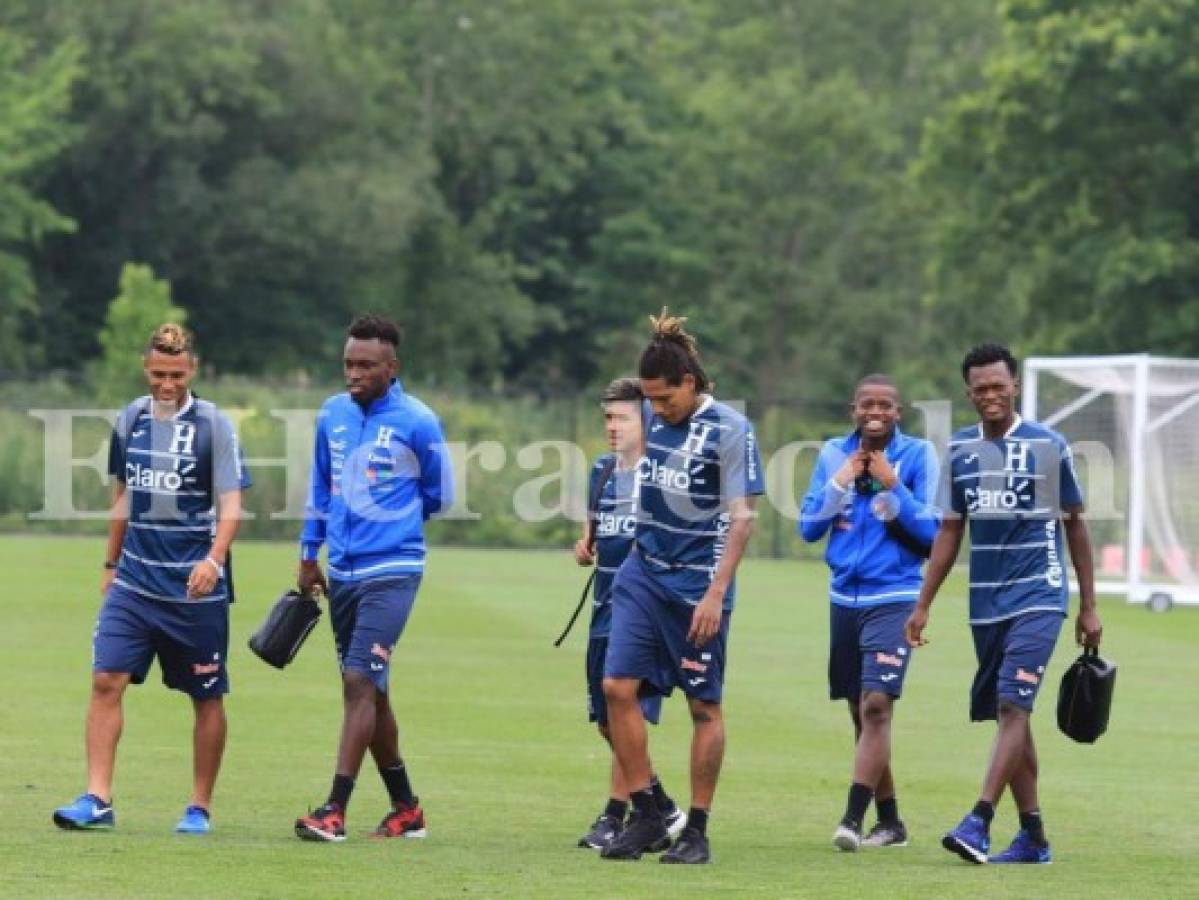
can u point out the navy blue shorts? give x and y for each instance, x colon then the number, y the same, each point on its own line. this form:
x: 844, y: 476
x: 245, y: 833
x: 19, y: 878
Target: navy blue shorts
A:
x: 1012, y: 656
x: 867, y: 649
x: 368, y: 618
x: 191, y: 641
x: 648, y: 639
x: 597, y: 705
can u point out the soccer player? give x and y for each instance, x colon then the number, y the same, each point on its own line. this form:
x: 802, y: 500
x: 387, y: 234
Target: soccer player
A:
x: 176, y: 504
x: 607, y: 538
x: 379, y: 470
x: 673, y: 597
x: 1014, y: 481
x: 871, y: 493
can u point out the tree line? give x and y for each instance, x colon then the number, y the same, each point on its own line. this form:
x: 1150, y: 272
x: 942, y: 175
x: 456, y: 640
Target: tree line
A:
x: 826, y: 188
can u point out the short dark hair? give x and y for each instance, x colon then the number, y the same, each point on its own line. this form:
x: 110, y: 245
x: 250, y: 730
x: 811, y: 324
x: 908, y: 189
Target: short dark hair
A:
x: 876, y: 379
x: 172, y: 339
x: 627, y: 389
x: 672, y: 353
x: 370, y: 327
x: 985, y: 355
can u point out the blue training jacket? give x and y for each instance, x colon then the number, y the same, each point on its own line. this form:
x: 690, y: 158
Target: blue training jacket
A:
x: 377, y: 475
x: 869, y: 567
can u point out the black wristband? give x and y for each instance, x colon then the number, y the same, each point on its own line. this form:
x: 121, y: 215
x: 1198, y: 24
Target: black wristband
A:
x: 109, y: 565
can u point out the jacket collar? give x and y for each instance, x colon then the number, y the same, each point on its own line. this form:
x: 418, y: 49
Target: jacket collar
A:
x: 854, y: 440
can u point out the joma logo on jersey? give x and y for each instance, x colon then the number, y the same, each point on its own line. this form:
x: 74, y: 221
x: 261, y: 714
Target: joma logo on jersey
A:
x: 153, y: 479
x: 610, y: 525
x: 663, y: 476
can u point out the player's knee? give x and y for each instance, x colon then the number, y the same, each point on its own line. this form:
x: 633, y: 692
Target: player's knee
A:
x: 620, y: 690
x: 357, y: 687
x: 1010, y: 713
x: 109, y: 686
x: 705, y: 714
x: 875, y: 709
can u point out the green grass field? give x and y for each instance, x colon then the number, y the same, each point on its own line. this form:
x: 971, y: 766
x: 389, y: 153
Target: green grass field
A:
x: 494, y: 731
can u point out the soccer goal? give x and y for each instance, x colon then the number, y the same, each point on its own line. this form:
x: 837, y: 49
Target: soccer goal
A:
x: 1133, y: 423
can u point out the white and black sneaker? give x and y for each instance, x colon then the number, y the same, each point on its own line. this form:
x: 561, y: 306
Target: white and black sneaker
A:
x: 676, y: 821
x: 603, y: 832
x: 887, y: 834
x: 847, y: 839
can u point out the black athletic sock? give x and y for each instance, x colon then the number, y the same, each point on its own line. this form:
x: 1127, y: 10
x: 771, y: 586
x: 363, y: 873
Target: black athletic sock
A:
x: 855, y: 808
x: 985, y: 811
x: 343, y: 786
x: 399, y: 789
x: 1031, y: 822
x: 644, y: 803
x: 616, y: 809
x: 665, y: 804
x: 698, y: 819
x: 888, y: 811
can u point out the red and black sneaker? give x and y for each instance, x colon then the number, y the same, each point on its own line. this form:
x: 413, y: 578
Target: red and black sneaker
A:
x: 328, y: 823
x: 407, y: 821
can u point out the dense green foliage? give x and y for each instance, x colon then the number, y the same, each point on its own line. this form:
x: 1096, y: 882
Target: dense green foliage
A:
x: 826, y: 187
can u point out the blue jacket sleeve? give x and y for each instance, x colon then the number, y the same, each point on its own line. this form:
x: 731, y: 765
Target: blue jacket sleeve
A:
x: 917, y: 513
x: 316, y: 507
x: 436, y: 471
x: 822, y: 501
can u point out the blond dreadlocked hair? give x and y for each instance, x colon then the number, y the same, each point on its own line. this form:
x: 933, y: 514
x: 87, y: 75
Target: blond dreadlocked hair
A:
x: 171, y: 339
x: 672, y: 353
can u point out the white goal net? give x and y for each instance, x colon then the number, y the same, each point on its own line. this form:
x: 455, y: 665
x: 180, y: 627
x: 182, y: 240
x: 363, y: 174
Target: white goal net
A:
x: 1133, y: 423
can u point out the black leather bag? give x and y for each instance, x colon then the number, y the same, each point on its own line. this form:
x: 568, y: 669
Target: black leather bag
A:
x: 1084, y: 701
x: 287, y: 625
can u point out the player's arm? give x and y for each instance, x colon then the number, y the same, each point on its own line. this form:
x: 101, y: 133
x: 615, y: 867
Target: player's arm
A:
x: 118, y: 523
x: 584, y: 548
x: 831, y: 478
x: 436, y: 471
x: 1087, y: 627
x: 208, y: 571
x: 946, y: 546
x: 705, y: 622
x: 916, y: 512
x: 310, y: 579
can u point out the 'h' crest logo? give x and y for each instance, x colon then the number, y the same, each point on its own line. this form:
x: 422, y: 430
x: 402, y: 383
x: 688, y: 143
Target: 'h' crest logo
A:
x: 383, y: 439
x: 696, y: 438
x: 184, y: 439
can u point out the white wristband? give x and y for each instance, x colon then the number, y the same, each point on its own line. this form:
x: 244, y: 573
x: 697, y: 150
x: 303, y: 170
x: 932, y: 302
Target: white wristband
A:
x: 220, y: 570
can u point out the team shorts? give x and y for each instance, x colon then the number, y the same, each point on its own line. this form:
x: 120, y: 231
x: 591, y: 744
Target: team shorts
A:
x: 368, y: 618
x: 867, y: 649
x: 648, y: 639
x: 597, y: 705
x: 189, y: 639
x: 1012, y: 656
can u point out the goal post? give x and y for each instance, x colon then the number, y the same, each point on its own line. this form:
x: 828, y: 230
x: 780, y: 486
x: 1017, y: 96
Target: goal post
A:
x: 1133, y: 423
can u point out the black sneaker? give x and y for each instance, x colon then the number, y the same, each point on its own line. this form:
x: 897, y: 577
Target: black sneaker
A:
x: 644, y: 833
x: 887, y: 834
x: 690, y: 849
x: 603, y: 832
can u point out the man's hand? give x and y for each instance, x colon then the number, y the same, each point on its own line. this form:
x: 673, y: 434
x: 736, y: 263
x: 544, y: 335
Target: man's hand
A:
x: 584, y: 554
x: 705, y: 621
x: 850, y: 469
x: 311, y: 580
x: 202, y: 580
x: 913, y: 628
x: 881, y: 470
x: 1088, y: 629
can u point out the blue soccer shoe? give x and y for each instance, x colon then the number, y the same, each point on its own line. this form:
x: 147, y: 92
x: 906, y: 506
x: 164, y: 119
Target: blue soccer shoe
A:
x: 87, y: 813
x: 970, y: 840
x: 1024, y: 850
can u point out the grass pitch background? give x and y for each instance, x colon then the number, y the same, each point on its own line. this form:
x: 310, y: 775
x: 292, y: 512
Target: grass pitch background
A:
x: 493, y: 728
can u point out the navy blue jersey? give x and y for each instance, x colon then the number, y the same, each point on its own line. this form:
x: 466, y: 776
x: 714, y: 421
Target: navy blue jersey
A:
x: 615, y: 517
x: 690, y: 474
x: 1013, y: 491
x: 173, y: 471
